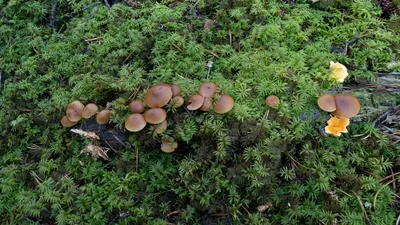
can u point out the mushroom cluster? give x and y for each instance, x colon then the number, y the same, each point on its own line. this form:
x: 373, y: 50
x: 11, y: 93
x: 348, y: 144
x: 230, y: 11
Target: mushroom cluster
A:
x: 204, y: 99
x: 76, y: 111
x: 156, y: 98
x: 342, y: 107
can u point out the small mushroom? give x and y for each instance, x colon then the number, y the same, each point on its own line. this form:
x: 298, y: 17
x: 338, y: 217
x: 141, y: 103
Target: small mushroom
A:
x: 103, y: 116
x: 74, y: 111
x: 158, y: 96
x: 225, y: 104
x: 176, y: 90
x: 135, y: 122
x: 206, y: 104
x: 272, y: 101
x: 347, y: 106
x: 207, y: 89
x: 168, y: 146
x: 65, y: 122
x: 196, y: 101
x: 161, y: 127
x: 178, y: 101
x: 155, y: 115
x: 337, y: 126
x: 136, y: 106
x: 327, y: 103
x: 89, y: 110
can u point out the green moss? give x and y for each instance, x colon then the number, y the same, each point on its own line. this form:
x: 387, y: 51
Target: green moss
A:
x: 226, y: 166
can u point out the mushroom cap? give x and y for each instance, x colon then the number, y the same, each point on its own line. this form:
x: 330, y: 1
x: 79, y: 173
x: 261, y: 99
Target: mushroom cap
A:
x: 168, y: 146
x: 337, y: 126
x: 74, y: 111
x: 178, y: 101
x: 346, y: 105
x: 208, y: 89
x: 158, y: 96
x: 136, y: 106
x: 161, y: 127
x: 338, y: 72
x: 224, y: 104
x: 176, y: 90
x: 327, y: 103
x: 103, y: 116
x: 196, y: 101
x: 89, y: 110
x: 65, y: 122
x: 155, y: 115
x: 272, y: 101
x: 206, y: 104
x: 135, y: 122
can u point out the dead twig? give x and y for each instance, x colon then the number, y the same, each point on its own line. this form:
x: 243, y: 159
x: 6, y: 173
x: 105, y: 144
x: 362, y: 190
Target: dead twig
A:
x: 212, y: 53
x: 384, y: 115
x: 175, y: 212
x: 393, y: 181
x: 94, y: 40
x: 177, y: 47
x: 362, y: 208
x: 343, y: 192
x: 379, y: 190
x: 108, y: 4
x: 392, y: 175
x: 36, y: 177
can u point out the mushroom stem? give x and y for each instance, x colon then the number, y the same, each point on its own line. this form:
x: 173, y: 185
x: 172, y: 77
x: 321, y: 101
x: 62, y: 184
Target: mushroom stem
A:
x: 108, y: 105
x: 266, y: 114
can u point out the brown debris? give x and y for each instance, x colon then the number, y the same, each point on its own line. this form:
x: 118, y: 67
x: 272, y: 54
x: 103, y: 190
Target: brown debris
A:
x: 96, y: 151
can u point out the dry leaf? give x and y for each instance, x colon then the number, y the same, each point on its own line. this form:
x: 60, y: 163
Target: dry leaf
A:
x: 96, y: 151
x: 86, y: 134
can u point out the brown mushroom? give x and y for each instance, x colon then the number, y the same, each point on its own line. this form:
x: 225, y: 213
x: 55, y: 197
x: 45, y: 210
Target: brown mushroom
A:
x: 272, y: 101
x: 158, y: 96
x: 196, y: 101
x: 347, y: 105
x: 155, y: 115
x: 168, y: 146
x: 136, y: 106
x: 225, y: 104
x: 161, y: 127
x: 176, y: 90
x: 135, y: 122
x: 65, y: 122
x: 103, y: 116
x: 327, y: 103
x: 177, y: 101
x: 206, y: 104
x: 207, y: 89
x: 74, y: 111
x: 89, y: 110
